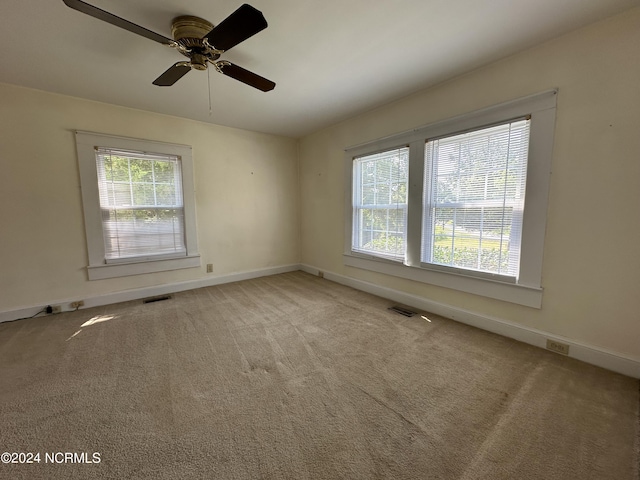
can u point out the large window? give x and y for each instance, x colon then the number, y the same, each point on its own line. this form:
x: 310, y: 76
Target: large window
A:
x: 460, y: 203
x: 138, y: 203
x: 474, y: 200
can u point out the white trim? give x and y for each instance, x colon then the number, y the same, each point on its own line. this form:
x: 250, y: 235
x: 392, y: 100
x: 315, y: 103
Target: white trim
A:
x: 414, y: 201
x: 138, y: 293
x: 587, y: 353
x: 600, y: 357
x: 507, y: 292
x: 112, y: 270
x: 485, y: 116
x: 97, y: 269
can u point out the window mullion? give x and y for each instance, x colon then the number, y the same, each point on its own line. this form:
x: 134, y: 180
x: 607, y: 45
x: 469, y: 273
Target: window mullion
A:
x: 414, y: 202
x: 354, y: 212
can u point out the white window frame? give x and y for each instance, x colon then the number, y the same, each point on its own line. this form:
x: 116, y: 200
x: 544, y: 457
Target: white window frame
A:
x: 98, y: 268
x: 527, y: 290
x: 357, y: 207
x: 427, y: 231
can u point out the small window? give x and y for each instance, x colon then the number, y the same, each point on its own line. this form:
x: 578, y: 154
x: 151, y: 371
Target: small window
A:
x: 141, y: 204
x: 474, y: 203
x: 380, y: 204
x: 139, y: 207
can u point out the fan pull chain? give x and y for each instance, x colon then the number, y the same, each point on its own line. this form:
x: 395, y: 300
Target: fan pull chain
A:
x: 209, y: 88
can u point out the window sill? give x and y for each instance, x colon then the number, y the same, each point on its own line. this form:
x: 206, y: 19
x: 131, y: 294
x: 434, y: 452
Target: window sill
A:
x: 113, y: 270
x: 519, y: 294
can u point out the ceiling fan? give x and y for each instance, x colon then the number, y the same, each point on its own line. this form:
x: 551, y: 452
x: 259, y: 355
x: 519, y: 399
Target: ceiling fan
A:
x: 198, y: 40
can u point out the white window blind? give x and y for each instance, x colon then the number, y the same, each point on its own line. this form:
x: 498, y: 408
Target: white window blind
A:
x: 380, y: 203
x: 474, y: 204
x: 141, y: 203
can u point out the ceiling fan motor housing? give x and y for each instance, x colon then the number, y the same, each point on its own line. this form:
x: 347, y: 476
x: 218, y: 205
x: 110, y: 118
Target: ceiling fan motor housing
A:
x: 190, y: 28
x: 189, y: 31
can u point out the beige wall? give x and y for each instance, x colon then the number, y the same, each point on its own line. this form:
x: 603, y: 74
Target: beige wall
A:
x: 246, y: 196
x: 591, y: 271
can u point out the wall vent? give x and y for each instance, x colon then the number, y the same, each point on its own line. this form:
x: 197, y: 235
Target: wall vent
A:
x: 156, y: 299
x: 403, y: 311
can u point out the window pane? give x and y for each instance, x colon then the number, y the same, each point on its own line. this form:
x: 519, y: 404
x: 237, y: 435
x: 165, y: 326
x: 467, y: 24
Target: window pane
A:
x: 117, y: 168
x: 141, y: 203
x: 121, y: 194
x: 473, y: 211
x: 143, y: 194
x: 380, y: 203
x: 131, y: 233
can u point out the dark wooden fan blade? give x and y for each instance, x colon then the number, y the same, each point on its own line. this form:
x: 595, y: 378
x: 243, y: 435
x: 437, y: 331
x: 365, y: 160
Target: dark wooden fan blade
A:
x: 245, y: 22
x: 117, y: 21
x: 245, y: 76
x: 172, y: 75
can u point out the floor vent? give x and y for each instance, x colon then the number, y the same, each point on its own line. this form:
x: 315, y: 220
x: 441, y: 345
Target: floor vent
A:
x: 156, y: 299
x: 403, y: 311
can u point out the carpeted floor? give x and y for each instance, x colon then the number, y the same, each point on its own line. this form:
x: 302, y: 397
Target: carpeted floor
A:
x: 296, y: 377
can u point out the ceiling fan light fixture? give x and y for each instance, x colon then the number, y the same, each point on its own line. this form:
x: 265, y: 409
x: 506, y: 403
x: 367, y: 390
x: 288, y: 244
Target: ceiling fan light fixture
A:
x: 198, y: 61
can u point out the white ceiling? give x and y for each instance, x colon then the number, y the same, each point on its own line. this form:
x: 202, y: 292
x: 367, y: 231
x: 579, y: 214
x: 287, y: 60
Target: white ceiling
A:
x: 330, y: 59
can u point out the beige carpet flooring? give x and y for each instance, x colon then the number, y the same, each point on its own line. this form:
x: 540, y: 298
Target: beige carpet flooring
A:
x: 296, y: 377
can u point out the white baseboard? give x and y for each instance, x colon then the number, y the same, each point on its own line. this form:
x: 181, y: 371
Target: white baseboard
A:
x: 580, y: 351
x: 138, y: 293
x: 586, y: 353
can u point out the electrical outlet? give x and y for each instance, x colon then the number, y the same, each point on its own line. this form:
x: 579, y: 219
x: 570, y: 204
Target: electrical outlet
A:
x: 557, y: 347
x: 76, y: 305
x: 56, y: 309
x: 209, y: 267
